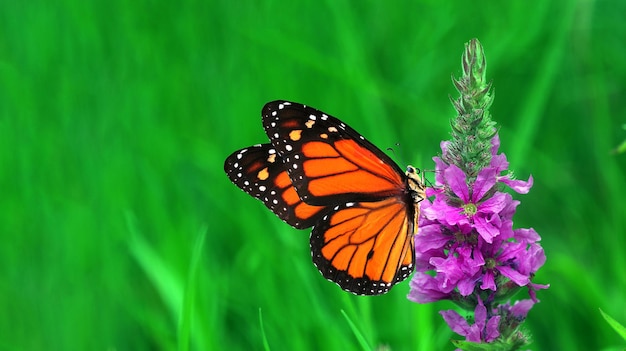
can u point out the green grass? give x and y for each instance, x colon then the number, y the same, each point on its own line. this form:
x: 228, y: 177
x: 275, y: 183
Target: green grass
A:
x: 120, y: 231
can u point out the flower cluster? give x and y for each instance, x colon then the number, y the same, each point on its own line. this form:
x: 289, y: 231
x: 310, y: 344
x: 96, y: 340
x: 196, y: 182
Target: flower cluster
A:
x: 467, y: 250
x: 470, y: 242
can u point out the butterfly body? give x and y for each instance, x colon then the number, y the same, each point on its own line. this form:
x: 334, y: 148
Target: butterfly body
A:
x: 319, y: 172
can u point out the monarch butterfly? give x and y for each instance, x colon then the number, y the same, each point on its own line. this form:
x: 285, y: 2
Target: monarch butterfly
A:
x: 318, y: 172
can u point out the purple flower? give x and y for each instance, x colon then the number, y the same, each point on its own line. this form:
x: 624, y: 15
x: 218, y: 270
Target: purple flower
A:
x: 484, y: 329
x: 458, y: 270
x: 468, y: 251
x: 466, y: 234
x: 508, y: 259
x: 481, y: 215
x: 518, y: 310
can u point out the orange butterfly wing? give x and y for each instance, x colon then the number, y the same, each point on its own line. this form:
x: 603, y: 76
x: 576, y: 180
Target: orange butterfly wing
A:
x: 365, y: 247
x: 260, y: 172
x: 328, y: 161
x: 319, y: 172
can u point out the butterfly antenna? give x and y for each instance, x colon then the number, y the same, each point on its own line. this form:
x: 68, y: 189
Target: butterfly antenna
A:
x: 393, y: 151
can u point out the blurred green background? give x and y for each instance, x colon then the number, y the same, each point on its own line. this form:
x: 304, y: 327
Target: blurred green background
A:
x: 120, y: 231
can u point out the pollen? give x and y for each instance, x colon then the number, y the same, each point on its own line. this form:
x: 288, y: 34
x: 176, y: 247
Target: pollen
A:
x: 490, y: 263
x: 469, y: 209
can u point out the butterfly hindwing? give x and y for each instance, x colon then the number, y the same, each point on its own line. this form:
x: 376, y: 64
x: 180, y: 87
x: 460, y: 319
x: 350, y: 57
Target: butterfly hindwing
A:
x: 328, y: 161
x: 260, y: 172
x: 365, y: 247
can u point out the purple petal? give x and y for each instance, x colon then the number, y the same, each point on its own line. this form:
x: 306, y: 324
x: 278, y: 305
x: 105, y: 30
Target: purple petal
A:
x: 449, y: 271
x: 495, y: 204
x: 519, y: 186
x: 509, y: 210
x: 480, y: 314
x: 500, y: 163
x: 440, y: 167
x: 425, y: 289
x: 486, y: 230
x: 536, y: 257
x: 506, y: 229
x: 485, y: 180
x: 512, y: 252
x: 520, y: 308
x: 446, y: 214
x: 429, y: 237
x: 492, y: 332
x: 474, y: 334
x: 457, y: 323
x: 532, y: 288
x: 526, y: 235
x: 422, y: 259
x: 433, y: 191
x: 444, y: 146
x: 495, y: 144
x: 488, y: 281
x: 515, y: 276
x: 470, y: 265
x: 466, y: 286
x: 479, y: 259
x: 529, y: 258
x: 455, y: 178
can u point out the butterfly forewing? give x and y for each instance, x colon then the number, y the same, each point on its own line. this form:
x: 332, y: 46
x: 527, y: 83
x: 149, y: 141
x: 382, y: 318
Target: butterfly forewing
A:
x: 328, y: 161
x: 260, y: 172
